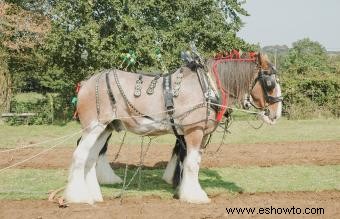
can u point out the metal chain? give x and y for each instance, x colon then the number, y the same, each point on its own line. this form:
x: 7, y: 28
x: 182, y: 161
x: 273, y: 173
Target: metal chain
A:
x: 187, y: 113
x: 227, y: 124
x: 177, y: 84
x: 138, y: 86
x: 97, y: 96
x: 138, y: 170
x: 152, y: 85
x: 124, y: 96
x: 120, y: 147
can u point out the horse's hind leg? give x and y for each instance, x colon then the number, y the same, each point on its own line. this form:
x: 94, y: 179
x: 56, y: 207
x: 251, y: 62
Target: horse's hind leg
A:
x: 105, y: 174
x: 190, y: 190
x: 171, y: 166
x: 77, y: 189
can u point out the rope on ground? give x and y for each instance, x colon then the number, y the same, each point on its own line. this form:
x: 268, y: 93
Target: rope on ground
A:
x: 40, y: 153
x: 33, y: 145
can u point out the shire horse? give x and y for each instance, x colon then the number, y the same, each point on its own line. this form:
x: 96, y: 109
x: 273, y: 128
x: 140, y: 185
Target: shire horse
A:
x: 107, y: 102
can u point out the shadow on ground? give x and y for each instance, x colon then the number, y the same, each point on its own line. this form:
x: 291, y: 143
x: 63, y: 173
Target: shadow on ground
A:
x: 150, y: 179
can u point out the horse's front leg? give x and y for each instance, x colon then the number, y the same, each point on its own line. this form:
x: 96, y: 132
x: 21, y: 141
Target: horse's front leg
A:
x: 190, y: 190
x: 82, y: 186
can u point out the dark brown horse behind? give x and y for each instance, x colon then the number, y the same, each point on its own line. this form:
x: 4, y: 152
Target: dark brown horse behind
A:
x: 108, y: 101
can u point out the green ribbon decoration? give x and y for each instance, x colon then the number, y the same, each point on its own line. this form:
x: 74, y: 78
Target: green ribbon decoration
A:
x: 130, y: 58
x: 74, y: 101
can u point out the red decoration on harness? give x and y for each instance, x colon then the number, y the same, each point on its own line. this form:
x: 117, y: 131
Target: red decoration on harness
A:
x: 232, y: 56
x: 236, y: 56
x: 224, y: 96
x: 78, y: 88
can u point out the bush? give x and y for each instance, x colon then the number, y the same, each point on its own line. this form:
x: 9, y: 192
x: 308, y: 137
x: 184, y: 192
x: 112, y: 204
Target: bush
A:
x: 310, y: 97
x: 48, y: 109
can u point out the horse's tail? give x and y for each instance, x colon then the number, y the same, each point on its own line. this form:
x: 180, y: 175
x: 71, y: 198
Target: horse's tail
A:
x: 180, y: 150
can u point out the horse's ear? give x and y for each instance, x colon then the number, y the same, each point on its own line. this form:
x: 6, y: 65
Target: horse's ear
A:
x: 259, y: 58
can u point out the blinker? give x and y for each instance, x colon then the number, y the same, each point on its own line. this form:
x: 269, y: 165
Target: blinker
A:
x: 268, y: 81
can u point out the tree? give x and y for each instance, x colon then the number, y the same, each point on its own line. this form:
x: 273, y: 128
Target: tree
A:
x: 310, y: 83
x: 306, y: 56
x: 22, y: 33
x: 276, y: 54
x: 91, y: 35
x: 52, y: 45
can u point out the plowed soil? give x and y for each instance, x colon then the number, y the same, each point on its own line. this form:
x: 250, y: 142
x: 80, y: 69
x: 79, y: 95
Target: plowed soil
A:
x: 154, y: 207
x: 264, y: 154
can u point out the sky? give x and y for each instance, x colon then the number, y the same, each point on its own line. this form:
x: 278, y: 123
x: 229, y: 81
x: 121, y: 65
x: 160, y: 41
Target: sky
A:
x: 282, y: 22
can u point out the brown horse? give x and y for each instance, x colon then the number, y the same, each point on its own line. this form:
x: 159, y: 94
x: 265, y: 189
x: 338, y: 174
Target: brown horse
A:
x: 107, y: 102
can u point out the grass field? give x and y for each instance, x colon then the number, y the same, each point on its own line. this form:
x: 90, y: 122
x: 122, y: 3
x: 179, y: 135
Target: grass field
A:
x: 35, y: 183
x: 241, y: 132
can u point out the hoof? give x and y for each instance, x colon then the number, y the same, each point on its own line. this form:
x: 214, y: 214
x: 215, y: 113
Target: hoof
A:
x: 74, y: 194
x: 109, y: 180
x: 105, y: 174
x: 196, y: 200
x: 167, y: 179
x: 196, y: 196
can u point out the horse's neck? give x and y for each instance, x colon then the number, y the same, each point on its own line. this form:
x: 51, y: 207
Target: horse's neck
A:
x: 236, y: 81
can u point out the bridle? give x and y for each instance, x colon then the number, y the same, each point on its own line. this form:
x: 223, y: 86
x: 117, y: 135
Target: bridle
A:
x: 268, y: 81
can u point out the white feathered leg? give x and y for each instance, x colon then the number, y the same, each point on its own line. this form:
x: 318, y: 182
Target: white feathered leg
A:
x: 90, y: 167
x: 92, y: 183
x: 77, y: 190
x: 190, y: 190
x: 105, y: 173
x: 170, y: 169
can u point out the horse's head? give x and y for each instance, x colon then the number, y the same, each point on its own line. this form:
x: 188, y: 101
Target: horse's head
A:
x: 266, y: 91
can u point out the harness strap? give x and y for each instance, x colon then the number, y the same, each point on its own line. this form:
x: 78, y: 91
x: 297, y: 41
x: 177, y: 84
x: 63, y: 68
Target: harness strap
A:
x: 203, y: 83
x: 109, y: 90
x: 168, y: 96
x: 269, y: 99
x: 169, y: 105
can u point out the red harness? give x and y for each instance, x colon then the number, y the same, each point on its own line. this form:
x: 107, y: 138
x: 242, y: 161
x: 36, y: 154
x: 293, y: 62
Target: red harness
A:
x: 233, y: 56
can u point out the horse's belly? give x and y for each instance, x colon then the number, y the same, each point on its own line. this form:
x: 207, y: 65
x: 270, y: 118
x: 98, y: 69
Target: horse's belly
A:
x: 144, y: 126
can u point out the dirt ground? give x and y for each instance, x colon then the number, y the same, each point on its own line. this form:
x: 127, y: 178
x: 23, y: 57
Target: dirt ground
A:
x: 154, y: 207
x: 264, y: 154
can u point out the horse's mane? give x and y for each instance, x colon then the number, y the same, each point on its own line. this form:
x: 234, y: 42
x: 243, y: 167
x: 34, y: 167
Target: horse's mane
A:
x: 236, y: 77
